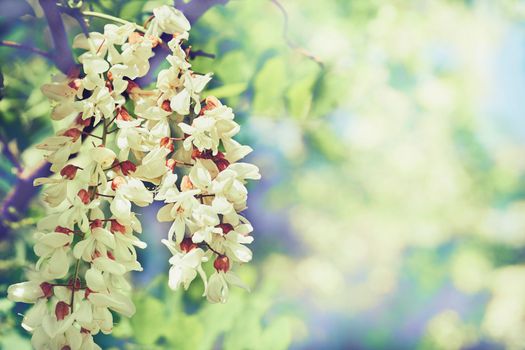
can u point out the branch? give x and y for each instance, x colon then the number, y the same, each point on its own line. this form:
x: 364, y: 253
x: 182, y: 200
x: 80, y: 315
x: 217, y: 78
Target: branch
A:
x: 17, y: 201
x: 19, y: 46
x: 194, y: 9
x: 62, y: 53
x: 6, y: 151
x: 289, y: 42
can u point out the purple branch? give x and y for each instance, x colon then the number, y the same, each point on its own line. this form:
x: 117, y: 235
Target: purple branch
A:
x: 194, y: 9
x: 62, y: 55
x: 17, y: 201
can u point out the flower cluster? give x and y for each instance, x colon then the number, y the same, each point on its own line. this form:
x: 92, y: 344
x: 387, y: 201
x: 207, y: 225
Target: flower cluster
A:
x: 127, y: 146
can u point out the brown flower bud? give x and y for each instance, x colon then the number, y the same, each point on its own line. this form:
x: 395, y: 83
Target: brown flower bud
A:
x: 186, y: 184
x: 167, y: 142
x: 166, y: 106
x: 171, y: 164
x: 116, y: 182
x: 187, y: 245
x: 225, y: 228
x: 222, y: 263
x: 47, y: 289
x: 71, y: 285
x: 61, y: 310
x: 117, y: 227
x: 123, y: 114
x: 96, y: 224
x: 69, y: 171
x: 81, y: 121
x: 221, y: 163
x: 64, y: 230
x: 135, y: 37
x: 131, y: 86
x: 127, y: 167
x: 74, y: 133
x: 84, y: 196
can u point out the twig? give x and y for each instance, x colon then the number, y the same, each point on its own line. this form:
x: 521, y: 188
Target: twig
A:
x: 19, y: 46
x: 112, y: 18
x: 195, y: 54
x: 287, y: 39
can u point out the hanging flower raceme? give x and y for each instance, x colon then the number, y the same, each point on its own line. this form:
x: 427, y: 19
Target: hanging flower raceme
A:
x: 125, y: 147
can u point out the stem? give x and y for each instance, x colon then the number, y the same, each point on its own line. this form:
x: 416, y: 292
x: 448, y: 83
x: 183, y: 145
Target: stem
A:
x: 93, y: 194
x: 111, y: 18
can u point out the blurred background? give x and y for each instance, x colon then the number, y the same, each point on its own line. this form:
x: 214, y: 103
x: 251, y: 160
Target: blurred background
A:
x: 390, y: 137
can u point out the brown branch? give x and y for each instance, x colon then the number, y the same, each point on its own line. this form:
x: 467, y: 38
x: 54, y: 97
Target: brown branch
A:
x: 287, y: 39
x: 62, y: 55
x: 19, y: 46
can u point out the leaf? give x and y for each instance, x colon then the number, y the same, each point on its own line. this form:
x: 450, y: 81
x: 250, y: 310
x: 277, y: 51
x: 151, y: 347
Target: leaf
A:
x: 229, y: 90
x: 270, y: 85
x: 148, y: 322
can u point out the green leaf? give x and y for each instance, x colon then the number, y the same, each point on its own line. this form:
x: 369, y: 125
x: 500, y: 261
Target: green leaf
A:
x: 270, y: 85
x: 229, y: 90
x: 148, y: 322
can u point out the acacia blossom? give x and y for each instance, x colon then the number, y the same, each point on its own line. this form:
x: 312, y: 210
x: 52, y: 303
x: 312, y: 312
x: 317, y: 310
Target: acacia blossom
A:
x: 171, y: 146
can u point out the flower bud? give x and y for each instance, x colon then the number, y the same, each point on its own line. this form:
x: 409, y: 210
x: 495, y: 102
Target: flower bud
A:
x: 64, y: 230
x: 195, y: 153
x: 127, y: 167
x: 116, y: 182
x: 171, y: 164
x: 187, y: 245
x: 166, y: 106
x: 117, y: 227
x: 135, y: 37
x: 123, y: 114
x: 66, y: 347
x: 74, y: 133
x: 167, y: 142
x: 84, y: 196
x: 110, y: 255
x: 47, y: 289
x: 225, y: 228
x: 81, y: 121
x: 210, y: 103
x: 61, y: 310
x: 76, y: 285
x: 96, y: 224
x: 221, y: 163
x: 222, y: 263
x: 185, y: 183
x: 87, y: 292
x: 75, y: 84
x: 109, y: 75
x: 132, y: 86
x: 69, y: 171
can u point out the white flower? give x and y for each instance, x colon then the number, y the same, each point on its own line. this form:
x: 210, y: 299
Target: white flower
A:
x: 25, y: 292
x: 179, y: 210
x: 193, y: 86
x: 200, y: 134
x: 184, y: 266
x: 170, y: 20
x: 132, y: 191
x: 218, y: 290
